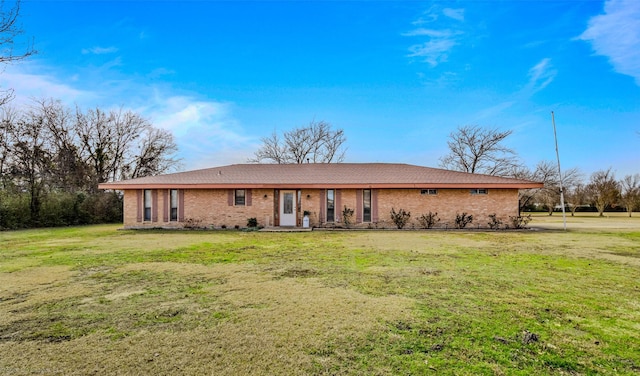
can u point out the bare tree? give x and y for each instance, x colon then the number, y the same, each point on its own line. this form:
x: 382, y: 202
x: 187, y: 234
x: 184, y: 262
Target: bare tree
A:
x: 127, y: 127
x: 52, y: 159
x: 480, y: 151
x: 107, y: 142
x: 31, y: 159
x: 630, y: 192
x: 7, y: 123
x: 131, y: 147
x: 96, y: 143
x: 317, y: 143
x: 544, y: 173
x: 547, y: 173
x: 9, y: 30
x: 575, y: 197
x: 551, y: 192
x: 603, y: 189
x: 154, y: 155
x: 271, y: 150
x: 68, y: 172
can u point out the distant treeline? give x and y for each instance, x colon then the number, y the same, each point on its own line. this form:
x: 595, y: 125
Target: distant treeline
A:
x: 601, y: 192
x: 52, y: 159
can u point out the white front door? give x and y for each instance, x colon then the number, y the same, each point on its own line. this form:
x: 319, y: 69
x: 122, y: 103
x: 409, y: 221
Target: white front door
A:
x: 287, y: 208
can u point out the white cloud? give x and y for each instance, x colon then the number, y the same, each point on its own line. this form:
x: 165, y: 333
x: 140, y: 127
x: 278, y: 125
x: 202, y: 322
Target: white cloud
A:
x: 434, y: 51
x: 428, y: 16
x: 28, y: 85
x: 431, y: 33
x: 206, y: 132
x: 616, y: 35
x: 456, y: 14
x: 540, y: 76
x: 180, y: 113
x: 441, y: 39
x: 99, y: 50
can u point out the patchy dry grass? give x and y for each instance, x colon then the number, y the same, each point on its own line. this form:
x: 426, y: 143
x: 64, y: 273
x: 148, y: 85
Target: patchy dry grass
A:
x: 94, y: 300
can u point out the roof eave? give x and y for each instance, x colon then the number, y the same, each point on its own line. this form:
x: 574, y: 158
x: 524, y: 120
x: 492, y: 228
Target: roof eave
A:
x: 515, y: 185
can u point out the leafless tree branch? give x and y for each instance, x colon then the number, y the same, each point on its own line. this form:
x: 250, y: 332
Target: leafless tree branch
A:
x: 603, y: 189
x: 630, y: 192
x: 480, y: 151
x: 317, y: 143
x: 9, y: 31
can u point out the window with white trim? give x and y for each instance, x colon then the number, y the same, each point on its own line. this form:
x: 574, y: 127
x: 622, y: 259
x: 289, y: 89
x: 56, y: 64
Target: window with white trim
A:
x: 479, y: 191
x: 430, y: 191
x: 331, y: 205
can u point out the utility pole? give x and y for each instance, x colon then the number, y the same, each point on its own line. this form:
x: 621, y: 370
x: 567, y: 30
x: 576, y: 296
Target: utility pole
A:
x: 564, y: 215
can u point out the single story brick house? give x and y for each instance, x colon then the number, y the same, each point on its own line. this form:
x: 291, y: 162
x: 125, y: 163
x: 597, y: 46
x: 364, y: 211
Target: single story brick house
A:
x: 280, y: 195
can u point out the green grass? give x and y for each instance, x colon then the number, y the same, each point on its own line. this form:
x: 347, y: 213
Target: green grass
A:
x: 101, y: 300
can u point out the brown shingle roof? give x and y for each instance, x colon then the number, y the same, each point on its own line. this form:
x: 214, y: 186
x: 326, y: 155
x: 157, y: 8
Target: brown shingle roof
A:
x: 321, y: 175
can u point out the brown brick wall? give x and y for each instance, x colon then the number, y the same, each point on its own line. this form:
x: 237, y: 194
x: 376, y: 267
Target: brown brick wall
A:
x: 130, y: 210
x: 206, y: 208
x: 209, y: 208
x: 447, y: 203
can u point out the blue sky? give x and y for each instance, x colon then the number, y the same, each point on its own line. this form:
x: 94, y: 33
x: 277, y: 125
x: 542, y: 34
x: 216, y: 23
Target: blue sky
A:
x: 398, y: 77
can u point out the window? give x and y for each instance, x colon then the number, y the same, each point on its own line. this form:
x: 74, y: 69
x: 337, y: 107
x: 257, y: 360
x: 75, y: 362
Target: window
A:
x: 239, y: 197
x: 366, y: 205
x: 479, y: 191
x: 428, y: 191
x: 330, y: 205
x: 287, y: 203
x: 173, y: 213
x: 147, y: 204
